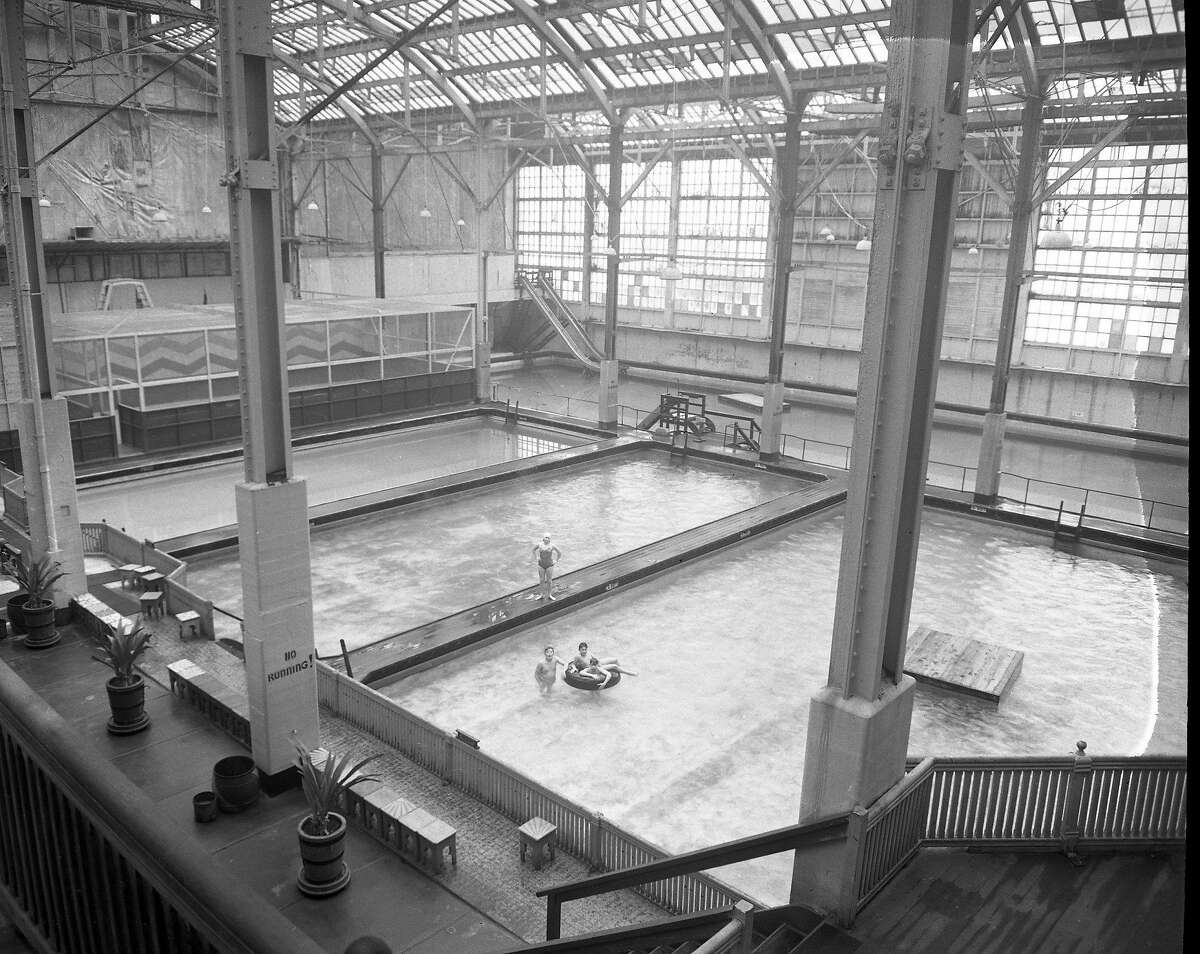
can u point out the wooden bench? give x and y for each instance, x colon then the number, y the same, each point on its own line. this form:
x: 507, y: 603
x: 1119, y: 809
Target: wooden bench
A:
x: 226, y: 709
x: 100, y: 619
x: 153, y: 603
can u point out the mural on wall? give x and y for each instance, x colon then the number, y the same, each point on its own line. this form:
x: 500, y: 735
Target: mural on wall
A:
x: 135, y: 177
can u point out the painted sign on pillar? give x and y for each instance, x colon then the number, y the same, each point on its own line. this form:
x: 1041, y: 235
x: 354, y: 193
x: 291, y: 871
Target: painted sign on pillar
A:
x: 281, y: 676
x: 608, y: 393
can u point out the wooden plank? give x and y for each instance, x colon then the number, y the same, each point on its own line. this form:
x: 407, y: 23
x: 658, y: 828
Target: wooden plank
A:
x: 963, y: 664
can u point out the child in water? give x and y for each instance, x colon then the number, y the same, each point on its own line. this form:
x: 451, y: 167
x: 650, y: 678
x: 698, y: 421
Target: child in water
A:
x: 546, y: 671
x: 601, y: 670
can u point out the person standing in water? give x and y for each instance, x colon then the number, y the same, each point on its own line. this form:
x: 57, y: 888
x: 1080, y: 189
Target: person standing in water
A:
x: 546, y: 554
x: 546, y: 671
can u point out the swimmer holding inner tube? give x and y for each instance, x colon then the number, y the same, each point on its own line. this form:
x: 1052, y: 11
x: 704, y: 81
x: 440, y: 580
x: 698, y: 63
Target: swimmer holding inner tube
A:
x: 590, y: 666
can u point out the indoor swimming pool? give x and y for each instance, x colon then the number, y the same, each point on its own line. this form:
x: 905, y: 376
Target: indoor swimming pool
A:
x: 707, y: 742
x: 389, y: 571
x: 158, y: 508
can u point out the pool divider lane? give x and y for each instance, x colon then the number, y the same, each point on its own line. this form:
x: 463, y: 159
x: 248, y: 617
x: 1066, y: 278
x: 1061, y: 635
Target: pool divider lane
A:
x: 389, y: 657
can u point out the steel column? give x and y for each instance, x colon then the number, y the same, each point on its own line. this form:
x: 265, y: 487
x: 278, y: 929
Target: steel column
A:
x: 991, y: 445
x: 377, y: 240
x: 272, y: 505
x: 859, y: 724
x: 41, y: 418
x: 609, y: 369
x: 781, y: 273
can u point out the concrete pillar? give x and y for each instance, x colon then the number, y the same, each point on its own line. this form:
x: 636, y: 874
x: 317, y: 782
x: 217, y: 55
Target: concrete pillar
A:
x: 50, y: 496
x: 483, y: 330
x: 859, y: 723
x: 281, y: 674
x: 608, y: 397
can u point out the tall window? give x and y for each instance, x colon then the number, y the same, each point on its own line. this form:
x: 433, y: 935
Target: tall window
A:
x: 1120, y: 284
x: 722, y: 237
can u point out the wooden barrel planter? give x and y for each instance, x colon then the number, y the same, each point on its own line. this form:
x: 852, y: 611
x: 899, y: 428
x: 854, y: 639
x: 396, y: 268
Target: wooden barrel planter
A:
x: 39, y: 624
x: 235, y: 781
x: 127, y: 703
x: 323, y: 871
x: 15, y: 607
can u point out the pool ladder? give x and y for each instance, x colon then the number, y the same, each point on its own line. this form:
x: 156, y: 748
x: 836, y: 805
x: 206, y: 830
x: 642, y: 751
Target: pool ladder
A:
x: 512, y: 412
x: 1068, y: 525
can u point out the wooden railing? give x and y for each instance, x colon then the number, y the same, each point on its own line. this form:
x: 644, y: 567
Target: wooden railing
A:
x: 582, y: 833
x: 1067, y: 803
x: 88, y: 864
x: 106, y: 540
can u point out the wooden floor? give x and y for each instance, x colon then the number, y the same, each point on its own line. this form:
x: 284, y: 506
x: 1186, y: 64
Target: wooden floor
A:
x: 949, y: 901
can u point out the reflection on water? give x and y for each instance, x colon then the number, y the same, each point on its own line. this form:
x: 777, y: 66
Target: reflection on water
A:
x: 707, y: 742
x: 396, y: 569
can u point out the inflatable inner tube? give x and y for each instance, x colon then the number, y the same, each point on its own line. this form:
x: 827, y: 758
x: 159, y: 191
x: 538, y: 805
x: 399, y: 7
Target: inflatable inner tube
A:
x: 576, y: 680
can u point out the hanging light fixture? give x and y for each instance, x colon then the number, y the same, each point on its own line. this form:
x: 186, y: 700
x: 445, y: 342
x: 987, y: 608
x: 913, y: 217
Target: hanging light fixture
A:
x: 827, y: 234
x: 863, y: 244
x: 1058, y: 237
x: 312, y: 206
x: 461, y: 223
x: 160, y: 215
x: 425, y: 213
x: 973, y: 250
x: 44, y: 201
x: 670, y: 272
x: 206, y: 209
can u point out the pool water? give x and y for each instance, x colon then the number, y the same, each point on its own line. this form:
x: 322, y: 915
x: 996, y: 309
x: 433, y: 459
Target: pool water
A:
x: 381, y: 574
x: 170, y: 505
x: 707, y: 742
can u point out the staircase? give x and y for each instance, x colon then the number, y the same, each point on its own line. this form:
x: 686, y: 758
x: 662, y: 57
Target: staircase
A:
x: 791, y: 929
x: 561, y: 319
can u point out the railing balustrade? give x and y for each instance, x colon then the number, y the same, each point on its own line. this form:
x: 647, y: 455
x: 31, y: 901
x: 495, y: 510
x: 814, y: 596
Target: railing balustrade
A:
x: 582, y: 833
x: 88, y: 866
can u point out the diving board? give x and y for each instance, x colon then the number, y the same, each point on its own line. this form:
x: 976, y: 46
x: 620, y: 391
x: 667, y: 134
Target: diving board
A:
x: 963, y: 664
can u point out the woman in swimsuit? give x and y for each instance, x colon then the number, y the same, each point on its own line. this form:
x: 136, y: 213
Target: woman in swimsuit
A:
x: 546, y: 554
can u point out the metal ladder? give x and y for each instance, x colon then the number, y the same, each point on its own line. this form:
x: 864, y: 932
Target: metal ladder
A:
x: 141, y: 297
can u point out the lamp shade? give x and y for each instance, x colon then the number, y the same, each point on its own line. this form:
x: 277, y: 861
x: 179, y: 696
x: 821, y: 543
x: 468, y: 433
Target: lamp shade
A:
x: 425, y: 213
x: 670, y: 273
x: 863, y: 245
x: 312, y: 206
x: 973, y: 250
x: 206, y: 209
x: 160, y: 215
x: 827, y: 234
x: 44, y: 201
x: 1056, y: 238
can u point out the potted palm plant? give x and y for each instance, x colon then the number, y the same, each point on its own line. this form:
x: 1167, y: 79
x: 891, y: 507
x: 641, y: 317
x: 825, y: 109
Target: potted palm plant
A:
x: 120, y: 651
x: 36, y: 578
x: 322, y: 831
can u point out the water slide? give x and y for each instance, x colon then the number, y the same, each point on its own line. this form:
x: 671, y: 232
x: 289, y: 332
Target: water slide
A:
x: 562, y: 320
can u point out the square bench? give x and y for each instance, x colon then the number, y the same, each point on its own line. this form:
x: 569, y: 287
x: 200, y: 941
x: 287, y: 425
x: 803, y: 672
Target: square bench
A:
x: 189, y: 624
x: 153, y: 603
x: 540, y: 836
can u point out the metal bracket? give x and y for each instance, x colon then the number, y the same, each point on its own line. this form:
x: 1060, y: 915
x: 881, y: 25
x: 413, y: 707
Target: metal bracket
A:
x: 916, y: 149
x: 948, y: 140
x: 889, y: 147
x: 252, y: 174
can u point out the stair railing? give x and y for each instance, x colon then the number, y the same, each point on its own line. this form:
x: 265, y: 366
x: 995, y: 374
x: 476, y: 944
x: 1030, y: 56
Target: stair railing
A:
x: 743, y: 849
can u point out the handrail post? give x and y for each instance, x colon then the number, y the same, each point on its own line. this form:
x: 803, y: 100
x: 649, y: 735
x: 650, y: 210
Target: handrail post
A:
x: 856, y: 848
x: 553, y: 916
x: 743, y: 913
x: 595, y: 843
x: 1080, y: 776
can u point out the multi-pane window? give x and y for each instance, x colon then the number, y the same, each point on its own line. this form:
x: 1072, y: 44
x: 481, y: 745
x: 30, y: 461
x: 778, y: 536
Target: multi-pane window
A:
x: 721, y: 242
x: 1119, y: 285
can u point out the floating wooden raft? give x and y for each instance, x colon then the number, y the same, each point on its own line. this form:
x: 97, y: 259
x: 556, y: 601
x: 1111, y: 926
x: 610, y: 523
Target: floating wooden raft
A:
x: 960, y: 663
x: 752, y: 401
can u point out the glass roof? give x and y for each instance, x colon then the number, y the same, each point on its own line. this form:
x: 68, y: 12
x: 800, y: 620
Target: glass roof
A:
x: 676, y: 62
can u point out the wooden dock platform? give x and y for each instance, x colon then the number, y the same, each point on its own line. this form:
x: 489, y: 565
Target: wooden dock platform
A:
x: 961, y: 663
